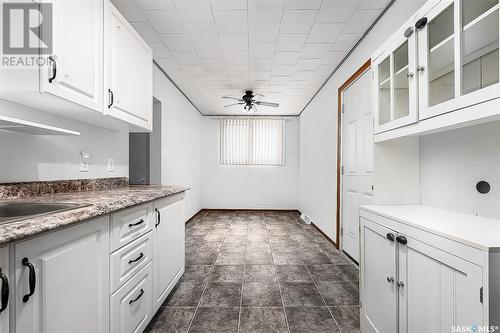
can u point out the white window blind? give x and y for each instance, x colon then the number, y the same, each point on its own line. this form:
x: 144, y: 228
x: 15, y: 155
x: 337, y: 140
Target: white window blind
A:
x: 252, y: 141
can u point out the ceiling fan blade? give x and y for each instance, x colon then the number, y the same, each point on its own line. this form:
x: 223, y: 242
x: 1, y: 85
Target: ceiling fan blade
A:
x: 274, y: 105
x: 233, y: 104
x: 229, y: 97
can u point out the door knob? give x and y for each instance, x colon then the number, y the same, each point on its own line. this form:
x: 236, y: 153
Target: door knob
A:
x: 400, y: 284
x: 420, y: 68
x: 409, y: 75
x: 390, y: 279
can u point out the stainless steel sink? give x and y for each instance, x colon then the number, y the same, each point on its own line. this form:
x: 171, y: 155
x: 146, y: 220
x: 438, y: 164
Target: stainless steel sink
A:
x: 15, y: 211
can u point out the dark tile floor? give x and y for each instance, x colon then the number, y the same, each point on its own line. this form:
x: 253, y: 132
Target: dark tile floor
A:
x: 264, y: 271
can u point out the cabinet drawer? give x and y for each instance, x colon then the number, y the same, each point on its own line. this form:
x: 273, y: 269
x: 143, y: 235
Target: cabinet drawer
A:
x: 130, y: 224
x: 130, y: 259
x: 131, y: 305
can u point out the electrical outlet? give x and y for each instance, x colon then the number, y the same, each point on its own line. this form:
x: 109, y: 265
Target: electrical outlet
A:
x: 111, y: 164
x: 84, y: 167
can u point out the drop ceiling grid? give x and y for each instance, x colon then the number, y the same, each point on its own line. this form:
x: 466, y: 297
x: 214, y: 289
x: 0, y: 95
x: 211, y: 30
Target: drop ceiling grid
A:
x: 200, y: 44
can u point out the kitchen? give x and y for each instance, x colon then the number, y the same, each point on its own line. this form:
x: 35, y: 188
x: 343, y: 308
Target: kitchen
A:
x: 249, y: 166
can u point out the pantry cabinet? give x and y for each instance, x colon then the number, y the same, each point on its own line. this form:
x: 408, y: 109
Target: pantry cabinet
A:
x: 62, y: 280
x: 453, y: 65
x: 4, y: 289
x: 128, y: 71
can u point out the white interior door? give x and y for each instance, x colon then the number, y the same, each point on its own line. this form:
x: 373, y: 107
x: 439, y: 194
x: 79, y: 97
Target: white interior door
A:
x: 357, y: 159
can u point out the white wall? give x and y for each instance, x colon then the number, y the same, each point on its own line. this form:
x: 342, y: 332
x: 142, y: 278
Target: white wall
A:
x: 318, y: 125
x: 181, y: 138
x: 451, y: 163
x: 30, y: 158
x: 249, y: 187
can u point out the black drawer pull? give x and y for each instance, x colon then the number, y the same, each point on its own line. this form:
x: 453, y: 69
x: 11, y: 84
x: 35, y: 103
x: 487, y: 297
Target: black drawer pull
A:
x: 141, y: 221
x: 136, y: 259
x: 4, y: 297
x: 402, y: 240
x: 111, y: 98
x: 158, y: 217
x: 32, y: 279
x: 390, y: 237
x: 137, y: 298
x: 54, y: 69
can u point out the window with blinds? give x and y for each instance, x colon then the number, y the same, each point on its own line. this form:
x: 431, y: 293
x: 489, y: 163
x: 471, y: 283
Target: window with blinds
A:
x: 252, y: 141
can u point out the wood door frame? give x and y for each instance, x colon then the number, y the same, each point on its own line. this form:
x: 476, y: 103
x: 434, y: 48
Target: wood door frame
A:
x: 341, y: 89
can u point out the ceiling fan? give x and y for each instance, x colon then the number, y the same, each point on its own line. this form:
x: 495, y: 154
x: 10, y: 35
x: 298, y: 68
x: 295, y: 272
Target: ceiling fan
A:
x: 249, y: 102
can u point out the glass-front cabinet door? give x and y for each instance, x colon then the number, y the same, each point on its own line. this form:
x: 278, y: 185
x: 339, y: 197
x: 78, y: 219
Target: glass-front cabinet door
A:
x: 458, y: 55
x: 395, y: 94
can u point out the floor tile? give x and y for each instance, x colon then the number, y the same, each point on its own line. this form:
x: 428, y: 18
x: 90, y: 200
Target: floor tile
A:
x: 293, y: 273
x: 172, y: 320
x: 300, y: 294
x: 215, y: 320
x: 224, y: 294
x: 259, y: 273
x: 258, y: 258
x: 338, y: 293
x: 185, y: 294
x: 286, y: 258
x: 262, y: 293
x: 227, y: 273
x: 201, y: 258
x: 351, y: 271
x: 196, y: 273
x: 326, y: 273
x: 262, y: 320
x: 307, y: 319
x: 347, y: 318
x: 230, y: 258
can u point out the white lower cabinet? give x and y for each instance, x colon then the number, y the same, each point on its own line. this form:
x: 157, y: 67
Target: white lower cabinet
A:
x: 417, y: 281
x: 62, y: 280
x: 131, y: 305
x: 168, y: 246
x: 4, y: 289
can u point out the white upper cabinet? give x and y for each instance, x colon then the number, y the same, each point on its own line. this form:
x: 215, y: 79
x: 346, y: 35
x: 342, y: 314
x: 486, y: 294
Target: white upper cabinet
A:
x: 128, y: 72
x: 76, y: 66
x: 453, y: 66
x: 395, y: 94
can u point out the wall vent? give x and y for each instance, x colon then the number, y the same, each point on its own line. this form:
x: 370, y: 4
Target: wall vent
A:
x: 306, y: 218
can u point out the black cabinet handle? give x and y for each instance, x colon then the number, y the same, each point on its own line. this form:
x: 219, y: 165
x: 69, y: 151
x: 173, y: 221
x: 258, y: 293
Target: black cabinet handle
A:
x: 4, y: 297
x: 158, y: 217
x: 402, y: 240
x: 136, y: 259
x: 32, y: 279
x: 408, y: 32
x: 141, y: 221
x: 111, y: 98
x: 54, y: 69
x: 137, y: 298
x: 420, y: 24
x: 390, y: 237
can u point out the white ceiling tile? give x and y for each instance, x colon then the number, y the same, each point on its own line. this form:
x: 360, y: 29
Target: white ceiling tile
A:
x: 324, y: 32
x: 194, y: 11
x: 260, y: 75
x: 333, y: 57
x: 308, y: 64
x: 291, y: 42
x: 237, y: 70
x: 216, y: 64
x: 261, y: 64
x: 297, y: 21
x: 325, y: 69
x: 262, y: 50
x: 155, y: 4
x: 167, y: 64
x: 193, y: 70
x: 283, y: 70
x: 236, y: 57
x: 234, y: 42
x: 373, y: 4
x: 336, y: 10
x: 186, y: 58
x: 160, y: 50
x: 130, y: 10
x: 360, y: 21
x: 345, y: 42
x: 302, y: 4
x: 209, y: 50
x: 177, y: 42
x: 231, y: 21
x: 202, y: 33
x: 286, y: 58
x: 146, y: 31
x: 264, y: 32
x: 265, y: 10
x: 315, y: 50
x: 165, y: 21
x: 228, y: 4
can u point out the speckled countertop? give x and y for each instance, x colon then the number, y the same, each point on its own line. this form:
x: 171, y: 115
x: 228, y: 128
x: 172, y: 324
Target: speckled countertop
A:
x: 102, y: 202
